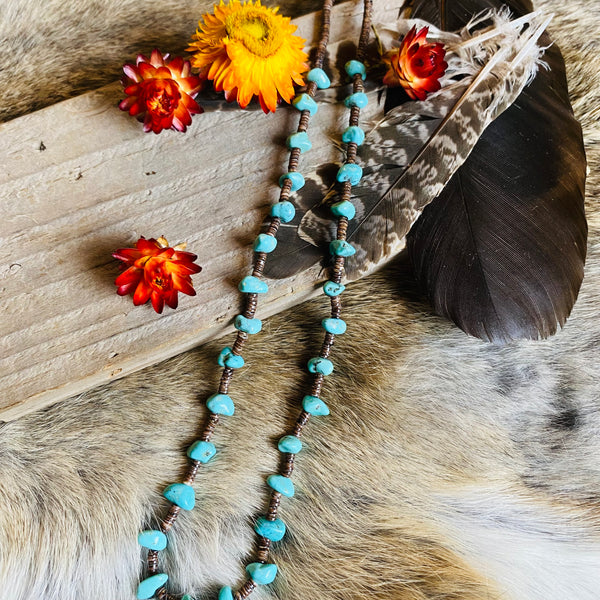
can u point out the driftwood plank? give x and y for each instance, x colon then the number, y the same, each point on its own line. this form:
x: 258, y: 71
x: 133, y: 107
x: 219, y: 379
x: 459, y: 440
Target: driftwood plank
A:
x: 80, y: 179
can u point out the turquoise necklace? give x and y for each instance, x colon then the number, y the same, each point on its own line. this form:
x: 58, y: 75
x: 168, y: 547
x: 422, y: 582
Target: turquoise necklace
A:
x: 270, y: 528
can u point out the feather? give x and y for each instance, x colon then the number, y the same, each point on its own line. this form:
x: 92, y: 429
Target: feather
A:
x: 411, y: 152
x: 501, y: 250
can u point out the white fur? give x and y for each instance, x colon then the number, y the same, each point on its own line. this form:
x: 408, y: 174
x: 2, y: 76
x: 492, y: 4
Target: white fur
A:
x: 532, y: 550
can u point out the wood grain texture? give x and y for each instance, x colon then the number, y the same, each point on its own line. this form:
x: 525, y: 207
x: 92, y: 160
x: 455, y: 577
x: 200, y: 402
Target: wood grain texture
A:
x: 80, y: 179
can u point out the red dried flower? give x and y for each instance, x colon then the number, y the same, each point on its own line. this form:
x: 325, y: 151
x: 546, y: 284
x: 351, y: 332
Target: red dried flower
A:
x: 417, y: 65
x: 161, y: 92
x: 156, y: 272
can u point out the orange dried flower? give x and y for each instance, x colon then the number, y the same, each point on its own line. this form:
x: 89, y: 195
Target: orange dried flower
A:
x: 156, y: 272
x: 417, y: 65
x: 248, y: 50
x: 161, y: 92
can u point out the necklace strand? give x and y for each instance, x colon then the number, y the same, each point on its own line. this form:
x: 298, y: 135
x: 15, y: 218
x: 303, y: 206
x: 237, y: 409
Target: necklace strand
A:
x: 181, y: 495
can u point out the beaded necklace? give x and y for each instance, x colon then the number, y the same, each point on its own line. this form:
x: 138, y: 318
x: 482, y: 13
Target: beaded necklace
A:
x: 270, y: 528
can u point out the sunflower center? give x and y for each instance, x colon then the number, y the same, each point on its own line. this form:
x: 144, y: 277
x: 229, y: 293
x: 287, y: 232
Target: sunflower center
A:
x: 257, y: 30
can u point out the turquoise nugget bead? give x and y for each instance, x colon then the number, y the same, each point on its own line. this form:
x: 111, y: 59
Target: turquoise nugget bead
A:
x: 281, y: 484
x: 319, y: 77
x: 296, y: 178
x: 228, y: 359
x: 226, y: 593
x: 358, y: 99
x: 201, y: 451
x: 315, y: 406
x: 320, y: 365
x: 272, y: 530
x: 350, y: 172
x: 152, y: 539
x: 234, y: 361
x: 253, y: 285
x: 299, y: 140
x: 187, y: 597
x: 290, y: 444
x: 305, y: 102
x: 341, y: 248
x: 283, y: 210
x: 264, y: 243
x: 353, y: 134
x: 335, y: 326
x: 221, y: 404
x: 355, y: 66
x: 223, y: 355
x: 344, y: 209
x: 262, y: 573
x: 180, y: 494
x: 250, y: 326
x: 332, y: 289
x: 148, y: 586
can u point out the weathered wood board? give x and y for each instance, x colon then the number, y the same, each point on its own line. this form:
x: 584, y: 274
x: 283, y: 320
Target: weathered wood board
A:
x: 80, y: 179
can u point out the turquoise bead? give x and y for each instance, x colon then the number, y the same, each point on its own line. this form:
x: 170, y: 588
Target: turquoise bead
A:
x: 187, y: 597
x: 358, y: 99
x: 354, y: 67
x: 335, y: 326
x: 344, y: 209
x: 253, y: 285
x: 181, y: 494
x: 353, y: 134
x: 148, y: 586
x: 223, y: 355
x: 319, y: 77
x: 272, y: 530
x: 305, y: 102
x: 264, y: 243
x: 350, y: 172
x: 285, y: 211
x: 228, y: 359
x: 296, y: 178
x: 262, y: 573
x: 234, y: 361
x: 290, y: 444
x: 320, y: 365
x: 281, y: 484
x: 341, y: 248
x: 332, y: 289
x: 225, y: 593
x: 315, y: 406
x: 250, y: 326
x: 220, y: 404
x: 152, y: 539
x: 201, y: 451
x: 299, y: 140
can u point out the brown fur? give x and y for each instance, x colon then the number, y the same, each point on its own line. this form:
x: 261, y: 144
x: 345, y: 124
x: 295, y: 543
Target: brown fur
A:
x: 444, y: 457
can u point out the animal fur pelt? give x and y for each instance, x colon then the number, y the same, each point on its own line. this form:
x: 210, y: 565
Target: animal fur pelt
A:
x: 449, y: 468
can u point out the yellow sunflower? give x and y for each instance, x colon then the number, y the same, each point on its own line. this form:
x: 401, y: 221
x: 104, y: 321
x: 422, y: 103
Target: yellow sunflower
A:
x: 248, y: 50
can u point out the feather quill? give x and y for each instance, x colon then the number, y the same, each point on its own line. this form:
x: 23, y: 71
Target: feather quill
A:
x: 501, y: 250
x: 411, y: 152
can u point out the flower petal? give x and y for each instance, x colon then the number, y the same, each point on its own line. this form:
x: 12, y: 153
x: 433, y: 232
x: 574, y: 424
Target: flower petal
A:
x: 158, y: 302
x: 142, y: 293
x: 131, y: 275
x: 183, y: 284
x: 127, y: 254
x: 172, y: 299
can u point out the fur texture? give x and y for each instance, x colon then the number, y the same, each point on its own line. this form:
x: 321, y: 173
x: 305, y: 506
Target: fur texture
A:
x: 449, y: 469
